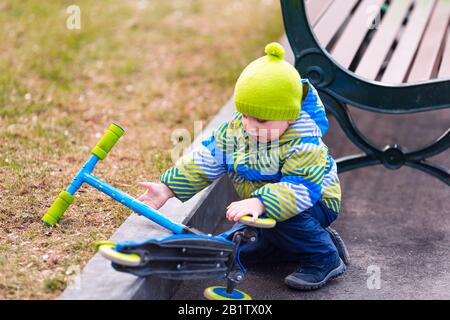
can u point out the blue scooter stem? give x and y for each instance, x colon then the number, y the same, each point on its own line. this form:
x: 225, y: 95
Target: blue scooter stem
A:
x: 77, y: 181
x: 132, y: 203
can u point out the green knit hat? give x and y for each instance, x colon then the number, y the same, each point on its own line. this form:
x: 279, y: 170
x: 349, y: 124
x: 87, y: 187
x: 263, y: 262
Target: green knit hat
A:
x: 269, y: 88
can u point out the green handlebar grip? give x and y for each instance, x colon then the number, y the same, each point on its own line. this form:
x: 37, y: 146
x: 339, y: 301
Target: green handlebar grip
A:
x: 58, y: 207
x: 108, y: 141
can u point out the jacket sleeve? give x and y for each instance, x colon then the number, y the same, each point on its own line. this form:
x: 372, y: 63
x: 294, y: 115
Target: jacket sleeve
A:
x: 300, y: 185
x: 196, y: 170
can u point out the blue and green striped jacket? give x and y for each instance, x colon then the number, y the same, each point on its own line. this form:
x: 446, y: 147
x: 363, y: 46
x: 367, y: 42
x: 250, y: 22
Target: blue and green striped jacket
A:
x: 288, y: 176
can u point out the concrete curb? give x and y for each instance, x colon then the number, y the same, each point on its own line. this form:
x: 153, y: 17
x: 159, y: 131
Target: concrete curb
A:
x: 204, y: 211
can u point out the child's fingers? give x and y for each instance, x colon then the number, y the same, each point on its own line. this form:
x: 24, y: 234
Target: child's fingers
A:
x: 236, y: 214
x: 230, y: 215
x: 242, y: 213
x: 227, y: 214
x: 233, y: 204
x: 141, y: 196
x: 144, y: 184
x: 232, y: 212
x: 145, y: 197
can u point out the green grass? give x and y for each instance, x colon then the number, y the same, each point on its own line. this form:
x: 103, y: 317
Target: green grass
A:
x: 152, y: 70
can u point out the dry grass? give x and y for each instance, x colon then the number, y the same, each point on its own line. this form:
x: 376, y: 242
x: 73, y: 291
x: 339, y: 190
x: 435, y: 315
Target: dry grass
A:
x: 151, y: 66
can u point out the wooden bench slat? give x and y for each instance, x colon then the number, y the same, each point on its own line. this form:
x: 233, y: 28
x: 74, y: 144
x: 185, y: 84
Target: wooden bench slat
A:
x: 332, y: 19
x: 316, y: 8
x: 403, y: 56
x: 425, y: 63
x: 354, y: 33
x: 376, y: 52
x: 444, y: 71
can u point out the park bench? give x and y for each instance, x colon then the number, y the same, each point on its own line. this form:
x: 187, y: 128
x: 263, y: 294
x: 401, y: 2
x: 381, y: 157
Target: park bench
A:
x: 389, y: 57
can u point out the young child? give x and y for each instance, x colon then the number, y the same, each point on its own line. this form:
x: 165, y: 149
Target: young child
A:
x: 294, y: 181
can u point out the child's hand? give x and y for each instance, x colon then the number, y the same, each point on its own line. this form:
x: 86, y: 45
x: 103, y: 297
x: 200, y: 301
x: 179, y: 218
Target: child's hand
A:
x: 238, y: 209
x: 156, y: 194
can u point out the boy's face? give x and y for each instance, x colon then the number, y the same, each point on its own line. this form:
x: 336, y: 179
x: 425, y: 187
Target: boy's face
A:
x: 265, y: 130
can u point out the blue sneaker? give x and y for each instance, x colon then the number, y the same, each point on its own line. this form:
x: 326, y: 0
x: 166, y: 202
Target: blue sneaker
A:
x: 312, y: 277
x: 340, y: 245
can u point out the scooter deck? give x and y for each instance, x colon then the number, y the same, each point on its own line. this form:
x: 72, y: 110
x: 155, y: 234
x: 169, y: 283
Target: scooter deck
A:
x: 178, y: 257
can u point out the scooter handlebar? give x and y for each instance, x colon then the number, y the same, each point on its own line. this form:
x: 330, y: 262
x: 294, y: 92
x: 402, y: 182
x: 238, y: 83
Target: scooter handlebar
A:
x: 108, y: 141
x: 65, y: 198
x: 58, y: 208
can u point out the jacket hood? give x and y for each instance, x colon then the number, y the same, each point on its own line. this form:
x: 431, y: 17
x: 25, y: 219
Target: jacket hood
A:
x: 312, y: 121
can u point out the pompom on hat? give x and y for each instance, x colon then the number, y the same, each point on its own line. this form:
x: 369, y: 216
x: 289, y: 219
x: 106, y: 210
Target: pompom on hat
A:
x: 269, y: 88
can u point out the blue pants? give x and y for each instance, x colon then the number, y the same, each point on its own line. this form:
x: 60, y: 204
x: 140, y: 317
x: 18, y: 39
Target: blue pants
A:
x: 301, y: 238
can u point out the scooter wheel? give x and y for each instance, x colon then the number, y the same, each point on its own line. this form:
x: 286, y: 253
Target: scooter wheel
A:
x: 266, y: 223
x: 126, y: 259
x: 220, y: 293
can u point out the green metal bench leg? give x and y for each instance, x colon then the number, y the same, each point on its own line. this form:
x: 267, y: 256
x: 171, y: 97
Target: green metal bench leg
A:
x: 392, y: 156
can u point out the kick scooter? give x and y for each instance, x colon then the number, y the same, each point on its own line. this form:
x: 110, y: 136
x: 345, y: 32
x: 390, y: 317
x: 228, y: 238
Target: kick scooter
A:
x: 186, y: 254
